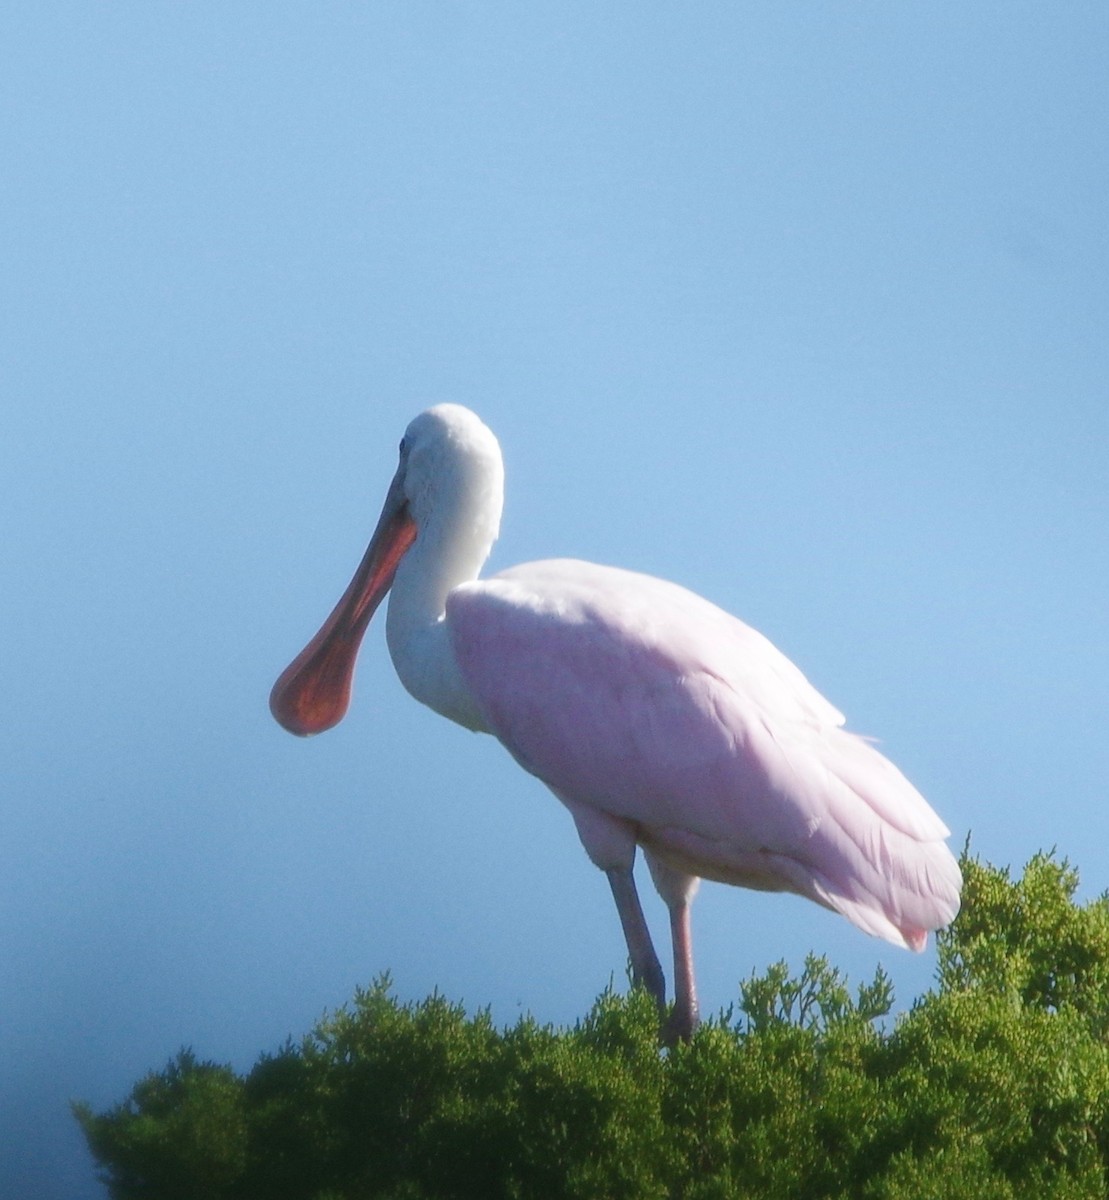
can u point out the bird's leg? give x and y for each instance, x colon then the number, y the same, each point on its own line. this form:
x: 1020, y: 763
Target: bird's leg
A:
x: 686, y: 1016
x: 646, y: 969
x: 610, y: 843
x: 678, y: 890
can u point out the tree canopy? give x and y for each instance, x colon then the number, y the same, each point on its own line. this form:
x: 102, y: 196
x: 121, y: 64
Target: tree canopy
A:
x: 994, y: 1085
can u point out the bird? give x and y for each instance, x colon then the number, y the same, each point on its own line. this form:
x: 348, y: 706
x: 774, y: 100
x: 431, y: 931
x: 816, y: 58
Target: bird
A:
x: 661, y: 722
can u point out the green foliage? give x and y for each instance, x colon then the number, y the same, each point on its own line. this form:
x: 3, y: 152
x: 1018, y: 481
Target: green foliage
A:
x: 181, y: 1136
x: 995, y: 1086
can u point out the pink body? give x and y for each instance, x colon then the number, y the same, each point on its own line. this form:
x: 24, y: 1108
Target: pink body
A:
x: 669, y: 723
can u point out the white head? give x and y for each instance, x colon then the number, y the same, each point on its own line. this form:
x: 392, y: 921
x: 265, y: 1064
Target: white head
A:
x: 452, y: 474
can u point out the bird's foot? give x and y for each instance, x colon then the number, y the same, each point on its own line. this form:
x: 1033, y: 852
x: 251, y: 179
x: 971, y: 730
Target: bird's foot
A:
x: 679, y: 1025
x: 653, y: 982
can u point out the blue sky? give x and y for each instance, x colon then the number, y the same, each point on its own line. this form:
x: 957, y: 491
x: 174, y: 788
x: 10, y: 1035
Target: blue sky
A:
x: 803, y: 306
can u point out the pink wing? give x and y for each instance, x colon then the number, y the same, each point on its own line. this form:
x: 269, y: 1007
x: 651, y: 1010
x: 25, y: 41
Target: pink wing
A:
x: 643, y: 701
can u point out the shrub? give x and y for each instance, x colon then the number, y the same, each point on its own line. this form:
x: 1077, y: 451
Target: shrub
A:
x: 994, y: 1085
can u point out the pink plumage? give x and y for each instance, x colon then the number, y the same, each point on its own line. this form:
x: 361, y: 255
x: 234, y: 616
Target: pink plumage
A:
x: 694, y: 737
x: 658, y: 719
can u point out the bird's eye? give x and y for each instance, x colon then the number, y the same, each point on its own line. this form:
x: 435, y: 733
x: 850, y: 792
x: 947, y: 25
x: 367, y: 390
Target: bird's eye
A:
x: 403, y: 446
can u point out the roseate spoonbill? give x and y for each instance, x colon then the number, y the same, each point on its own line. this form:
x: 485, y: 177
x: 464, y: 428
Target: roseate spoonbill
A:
x: 655, y: 717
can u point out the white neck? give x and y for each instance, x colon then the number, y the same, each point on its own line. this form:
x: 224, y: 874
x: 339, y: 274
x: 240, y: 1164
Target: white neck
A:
x: 457, y: 519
